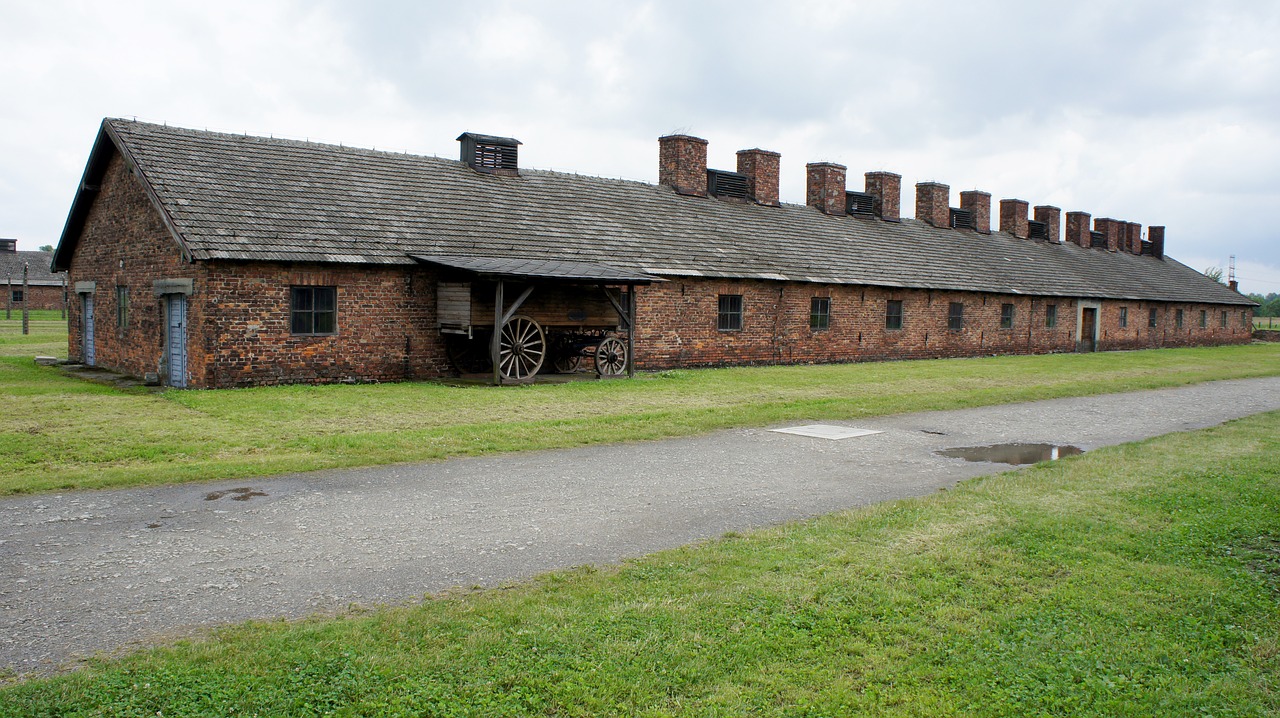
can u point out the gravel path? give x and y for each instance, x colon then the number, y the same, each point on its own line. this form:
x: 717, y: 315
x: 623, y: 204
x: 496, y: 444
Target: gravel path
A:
x: 105, y: 570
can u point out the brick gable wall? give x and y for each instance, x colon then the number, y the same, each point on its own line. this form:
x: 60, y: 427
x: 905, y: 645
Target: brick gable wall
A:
x: 125, y: 243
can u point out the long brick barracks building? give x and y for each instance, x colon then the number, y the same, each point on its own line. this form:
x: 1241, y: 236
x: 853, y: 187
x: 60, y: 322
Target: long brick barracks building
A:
x: 213, y: 260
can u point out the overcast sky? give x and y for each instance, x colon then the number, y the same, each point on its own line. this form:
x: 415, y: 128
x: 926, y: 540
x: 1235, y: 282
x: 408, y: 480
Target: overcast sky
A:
x: 1153, y: 112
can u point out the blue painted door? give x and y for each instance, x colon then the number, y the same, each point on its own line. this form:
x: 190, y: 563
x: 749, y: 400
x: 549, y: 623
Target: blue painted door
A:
x: 176, y: 340
x: 86, y: 307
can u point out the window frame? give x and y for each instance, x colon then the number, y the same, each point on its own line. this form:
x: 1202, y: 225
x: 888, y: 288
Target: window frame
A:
x: 1177, y: 319
x: 729, y: 316
x: 819, y: 314
x: 122, y: 308
x: 955, y: 317
x: 1124, y: 317
x: 17, y: 296
x: 313, y: 293
x: 893, y: 321
x: 1204, y: 318
x: 1006, y: 315
x: 1050, y: 316
x: 1224, y: 319
x: 1153, y: 318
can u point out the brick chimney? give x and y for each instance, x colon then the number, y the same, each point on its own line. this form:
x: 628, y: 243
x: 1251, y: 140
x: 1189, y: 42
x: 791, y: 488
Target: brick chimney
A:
x: 761, y: 168
x: 886, y: 187
x: 979, y: 204
x: 682, y: 164
x: 1078, y: 229
x: 824, y: 187
x: 1111, y: 229
x: 1052, y: 218
x: 1155, y: 235
x: 933, y: 203
x: 1133, y: 237
x: 1013, y: 217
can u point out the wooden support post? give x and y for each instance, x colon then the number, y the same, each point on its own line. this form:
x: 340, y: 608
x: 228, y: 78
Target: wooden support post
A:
x: 64, y: 295
x: 26, y: 300
x: 495, y: 346
x: 8, y: 296
x: 631, y: 331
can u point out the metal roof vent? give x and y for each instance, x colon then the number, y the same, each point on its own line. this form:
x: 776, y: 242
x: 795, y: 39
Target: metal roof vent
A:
x: 1097, y: 240
x: 1037, y: 230
x: 860, y: 203
x: 732, y: 185
x: 489, y: 154
x: 961, y: 219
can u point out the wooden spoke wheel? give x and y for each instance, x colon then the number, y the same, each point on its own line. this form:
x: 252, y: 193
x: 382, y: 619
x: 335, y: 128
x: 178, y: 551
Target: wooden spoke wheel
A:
x: 567, y: 363
x: 521, y: 349
x: 611, y: 357
x: 468, y: 355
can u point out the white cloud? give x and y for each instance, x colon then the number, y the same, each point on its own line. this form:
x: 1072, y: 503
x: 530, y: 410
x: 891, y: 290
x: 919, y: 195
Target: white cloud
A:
x: 1126, y: 110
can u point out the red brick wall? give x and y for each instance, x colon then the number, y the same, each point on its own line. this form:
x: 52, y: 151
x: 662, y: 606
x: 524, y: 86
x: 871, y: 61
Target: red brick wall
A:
x: 125, y: 243
x: 386, y: 325
x: 678, y: 325
x: 37, y: 297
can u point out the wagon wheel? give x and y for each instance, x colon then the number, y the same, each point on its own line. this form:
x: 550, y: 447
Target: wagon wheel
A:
x: 468, y: 355
x: 522, y: 348
x: 611, y: 357
x: 566, y: 358
x: 567, y: 363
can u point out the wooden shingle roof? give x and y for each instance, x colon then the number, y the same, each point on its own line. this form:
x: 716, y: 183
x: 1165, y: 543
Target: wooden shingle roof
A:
x: 253, y: 198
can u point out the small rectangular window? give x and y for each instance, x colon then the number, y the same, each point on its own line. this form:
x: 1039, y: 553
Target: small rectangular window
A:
x: 122, y: 308
x: 1051, y: 316
x: 820, y: 312
x: 893, y: 314
x: 1151, y: 317
x: 1204, y: 318
x: 16, y: 296
x: 314, y: 310
x: 730, y: 318
x: 1177, y: 319
x: 1224, y: 319
x: 1006, y: 316
x: 1124, y: 317
x: 955, y: 316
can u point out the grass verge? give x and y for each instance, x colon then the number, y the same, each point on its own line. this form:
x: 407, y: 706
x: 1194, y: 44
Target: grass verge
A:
x: 59, y: 433
x: 1136, y: 580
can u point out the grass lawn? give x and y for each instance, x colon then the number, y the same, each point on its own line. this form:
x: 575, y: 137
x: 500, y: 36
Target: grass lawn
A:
x: 1137, y: 580
x: 58, y: 433
x: 1266, y: 322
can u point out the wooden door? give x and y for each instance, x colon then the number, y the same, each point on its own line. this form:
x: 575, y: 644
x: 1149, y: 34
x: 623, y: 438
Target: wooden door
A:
x: 176, y: 340
x: 86, y: 307
x: 1089, y: 330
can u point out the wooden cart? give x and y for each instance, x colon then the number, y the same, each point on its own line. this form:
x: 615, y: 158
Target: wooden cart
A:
x: 562, y: 313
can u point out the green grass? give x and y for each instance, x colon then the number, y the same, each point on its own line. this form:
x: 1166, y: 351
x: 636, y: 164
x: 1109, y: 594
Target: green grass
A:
x: 58, y: 433
x: 1139, y: 580
x: 1266, y: 322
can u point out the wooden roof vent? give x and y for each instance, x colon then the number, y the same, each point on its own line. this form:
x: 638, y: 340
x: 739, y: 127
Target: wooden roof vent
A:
x: 730, y: 185
x: 861, y: 204
x: 490, y: 154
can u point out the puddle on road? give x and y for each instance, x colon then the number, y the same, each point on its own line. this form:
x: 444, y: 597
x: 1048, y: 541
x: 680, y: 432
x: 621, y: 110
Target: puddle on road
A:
x: 241, y: 494
x: 1016, y: 454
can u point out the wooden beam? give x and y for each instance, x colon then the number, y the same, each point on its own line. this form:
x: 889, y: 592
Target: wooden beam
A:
x: 506, y: 316
x: 623, y: 314
x: 495, y: 343
x: 631, y: 332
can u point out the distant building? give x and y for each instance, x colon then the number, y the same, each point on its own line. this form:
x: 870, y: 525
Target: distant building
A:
x: 219, y: 260
x: 44, y: 286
